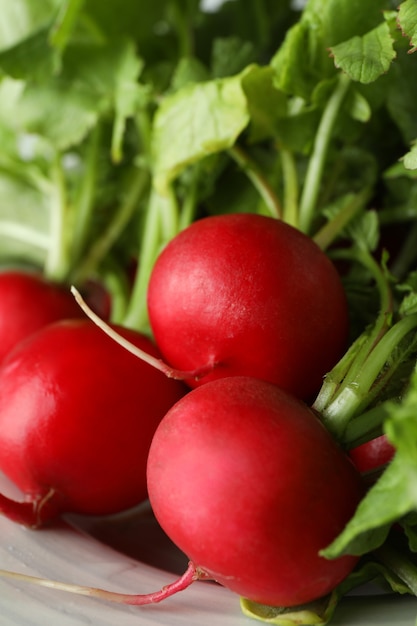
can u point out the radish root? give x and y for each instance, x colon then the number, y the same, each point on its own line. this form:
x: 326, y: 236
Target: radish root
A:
x: 191, y: 574
x: 158, y: 364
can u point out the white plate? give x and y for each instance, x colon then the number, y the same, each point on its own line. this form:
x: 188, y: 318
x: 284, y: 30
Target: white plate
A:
x: 130, y: 554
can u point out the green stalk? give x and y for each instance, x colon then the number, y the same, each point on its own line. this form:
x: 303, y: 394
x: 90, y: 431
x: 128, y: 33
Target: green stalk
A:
x: 262, y: 21
x: 401, y: 565
x: 350, y: 364
x: 189, y: 205
x: 58, y: 257
x: 84, y: 203
x: 290, y: 176
x: 367, y: 425
x: 121, y: 218
x: 24, y: 234
x: 346, y: 390
x: 334, y: 379
x: 311, y: 188
x: 64, y: 23
x: 407, y: 256
x: 136, y: 313
x: 143, y: 123
x: 328, y: 233
x: 169, y: 215
x: 117, y: 284
x: 384, y: 319
x: 258, y: 180
x: 358, y: 391
x: 159, y: 227
x: 182, y: 24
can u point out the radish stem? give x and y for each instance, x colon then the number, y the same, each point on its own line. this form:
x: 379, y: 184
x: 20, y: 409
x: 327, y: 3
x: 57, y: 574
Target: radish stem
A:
x: 317, y: 161
x: 258, y: 180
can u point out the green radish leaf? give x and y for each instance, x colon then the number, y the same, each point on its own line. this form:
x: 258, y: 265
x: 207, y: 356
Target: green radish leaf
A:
x: 303, y: 60
x: 398, y: 170
x: 314, y: 614
x: 95, y: 81
x: 370, y: 525
x: 126, y: 95
x: 366, y: 58
x: 401, y: 95
x: 198, y: 120
x: 407, y: 21
x: 360, y: 108
x: 60, y: 114
x: 410, y: 159
x: 189, y: 70
x: 65, y: 22
x: 24, y: 216
x: 230, y: 56
x: 267, y: 105
x: 22, y: 18
x: 31, y: 58
x: 364, y: 230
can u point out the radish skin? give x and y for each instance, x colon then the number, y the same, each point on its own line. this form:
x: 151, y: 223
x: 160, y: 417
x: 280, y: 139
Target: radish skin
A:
x: 252, y: 296
x: 77, y: 415
x: 29, y: 302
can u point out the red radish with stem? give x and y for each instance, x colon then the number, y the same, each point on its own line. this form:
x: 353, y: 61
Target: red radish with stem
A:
x: 246, y: 294
x: 77, y: 415
x: 27, y: 303
x: 255, y: 489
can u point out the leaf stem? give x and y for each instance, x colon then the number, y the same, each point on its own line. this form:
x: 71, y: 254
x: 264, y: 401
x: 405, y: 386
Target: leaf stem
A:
x: 57, y: 260
x: 258, y: 180
x: 406, y: 257
x: 64, y: 23
x: 181, y: 20
x: 366, y: 377
x: 290, y: 176
x: 136, y: 189
x: 367, y: 425
x: 402, y: 566
x: 311, y: 188
x: 84, y: 203
x: 161, y: 224
x: 328, y: 233
x: 189, y: 205
x: 24, y: 234
x: 346, y: 390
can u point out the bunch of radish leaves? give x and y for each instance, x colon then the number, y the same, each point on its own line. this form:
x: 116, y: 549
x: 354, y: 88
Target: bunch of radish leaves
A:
x: 123, y: 122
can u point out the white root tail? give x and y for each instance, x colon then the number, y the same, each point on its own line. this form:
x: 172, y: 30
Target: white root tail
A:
x: 158, y: 364
x: 192, y: 574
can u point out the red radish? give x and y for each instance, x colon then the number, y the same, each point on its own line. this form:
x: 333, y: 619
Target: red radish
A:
x: 248, y: 295
x: 373, y: 454
x: 29, y: 302
x: 248, y: 483
x: 77, y: 415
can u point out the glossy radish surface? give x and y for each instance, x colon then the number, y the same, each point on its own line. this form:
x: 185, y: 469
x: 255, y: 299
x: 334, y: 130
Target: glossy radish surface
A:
x: 29, y: 302
x: 77, y: 415
x: 248, y: 483
x: 252, y: 296
x: 373, y: 454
